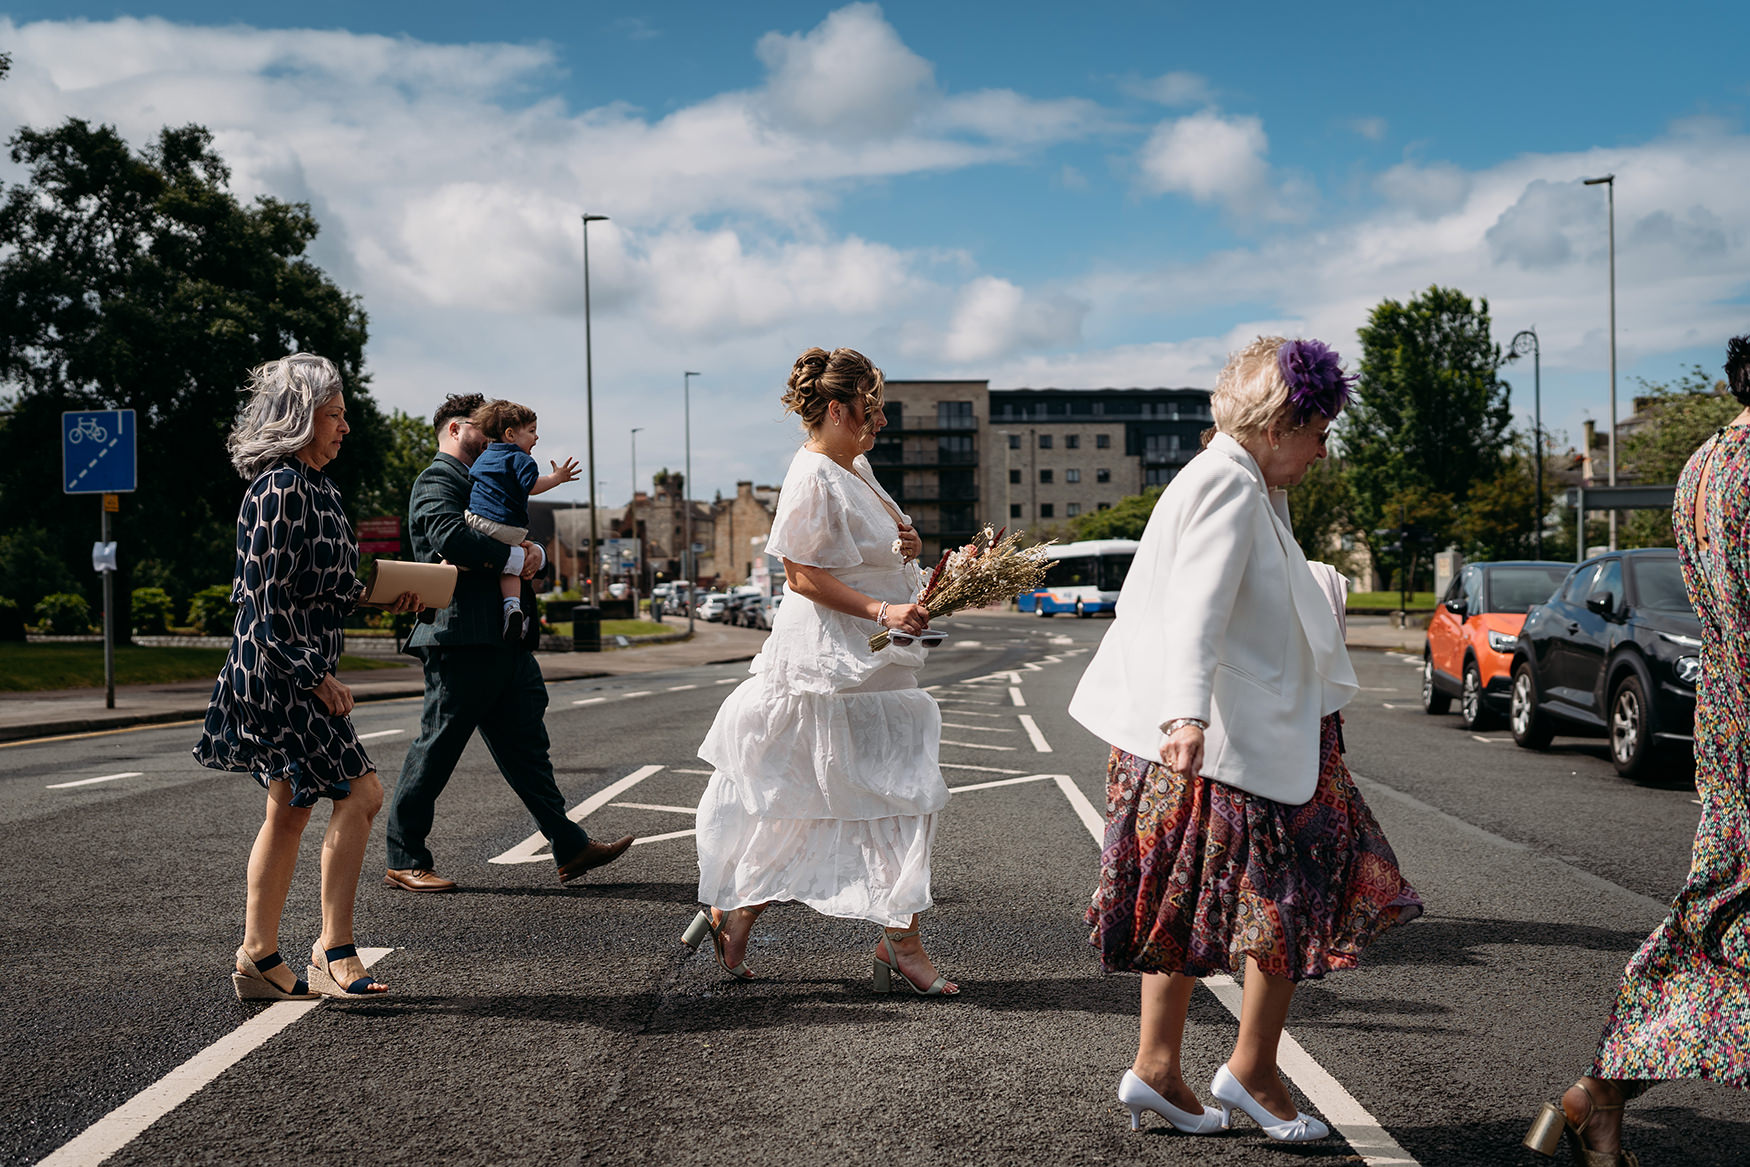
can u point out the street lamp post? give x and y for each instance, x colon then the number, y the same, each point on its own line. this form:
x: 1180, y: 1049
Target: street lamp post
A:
x: 1609, y: 183
x: 589, y: 404
x: 638, y: 560
x: 687, y: 563
x: 1525, y: 340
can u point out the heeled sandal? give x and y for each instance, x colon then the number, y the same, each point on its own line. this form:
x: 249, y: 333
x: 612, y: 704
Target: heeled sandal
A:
x: 711, y: 920
x: 253, y: 985
x: 885, y: 970
x: 322, y: 975
x: 1545, y: 1135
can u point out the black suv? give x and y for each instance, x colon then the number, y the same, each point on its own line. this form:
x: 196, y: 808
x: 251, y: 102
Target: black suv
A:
x: 1616, y: 650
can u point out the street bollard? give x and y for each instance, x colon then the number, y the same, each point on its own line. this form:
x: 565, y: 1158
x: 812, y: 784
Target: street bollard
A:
x: 586, y: 629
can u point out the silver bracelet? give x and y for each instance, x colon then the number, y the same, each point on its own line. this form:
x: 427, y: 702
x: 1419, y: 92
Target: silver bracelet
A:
x: 1174, y: 726
x: 881, y: 613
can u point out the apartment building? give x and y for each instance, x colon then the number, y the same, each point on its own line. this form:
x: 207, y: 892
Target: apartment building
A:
x: 958, y: 454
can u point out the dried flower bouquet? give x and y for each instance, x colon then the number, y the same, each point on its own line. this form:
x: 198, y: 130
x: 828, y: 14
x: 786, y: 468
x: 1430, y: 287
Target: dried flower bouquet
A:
x: 991, y: 568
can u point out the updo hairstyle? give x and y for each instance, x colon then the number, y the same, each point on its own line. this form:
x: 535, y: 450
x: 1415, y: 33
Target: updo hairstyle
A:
x: 820, y: 378
x: 280, y: 416
x: 1251, y: 395
x: 1738, y: 368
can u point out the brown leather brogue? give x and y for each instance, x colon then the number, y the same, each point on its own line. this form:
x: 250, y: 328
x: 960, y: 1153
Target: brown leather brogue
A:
x: 417, y: 879
x: 592, y: 856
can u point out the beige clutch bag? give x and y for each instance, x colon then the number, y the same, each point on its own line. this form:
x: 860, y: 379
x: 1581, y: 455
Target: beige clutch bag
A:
x: 388, y: 578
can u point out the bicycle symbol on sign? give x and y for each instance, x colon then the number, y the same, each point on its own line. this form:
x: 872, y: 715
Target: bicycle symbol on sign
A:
x: 87, y: 428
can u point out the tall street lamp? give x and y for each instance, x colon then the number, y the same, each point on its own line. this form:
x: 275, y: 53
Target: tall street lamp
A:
x: 638, y: 565
x: 687, y: 563
x: 589, y: 403
x: 1524, y: 341
x: 1609, y: 183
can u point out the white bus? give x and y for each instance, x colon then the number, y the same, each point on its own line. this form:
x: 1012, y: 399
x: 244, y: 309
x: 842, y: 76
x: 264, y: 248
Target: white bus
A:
x: 1083, y: 578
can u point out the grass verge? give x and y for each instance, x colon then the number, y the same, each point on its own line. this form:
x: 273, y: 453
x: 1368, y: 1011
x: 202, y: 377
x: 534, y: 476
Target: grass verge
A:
x: 614, y: 628
x: 26, y: 668
x: 1391, y: 600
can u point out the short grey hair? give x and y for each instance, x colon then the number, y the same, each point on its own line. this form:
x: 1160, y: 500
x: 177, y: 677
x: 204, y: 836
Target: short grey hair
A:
x: 1251, y: 395
x: 280, y: 416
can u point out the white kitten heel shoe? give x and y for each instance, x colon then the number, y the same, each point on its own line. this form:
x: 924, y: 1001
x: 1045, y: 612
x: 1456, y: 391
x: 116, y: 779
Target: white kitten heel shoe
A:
x: 1302, y: 1128
x: 1138, y: 1096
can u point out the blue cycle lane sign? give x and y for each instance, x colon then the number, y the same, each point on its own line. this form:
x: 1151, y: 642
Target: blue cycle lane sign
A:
x: 97, y: 451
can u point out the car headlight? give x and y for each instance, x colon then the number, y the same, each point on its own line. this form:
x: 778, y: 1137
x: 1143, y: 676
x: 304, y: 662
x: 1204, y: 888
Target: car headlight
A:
x: 1688, y: 669
x: 1503, y: 643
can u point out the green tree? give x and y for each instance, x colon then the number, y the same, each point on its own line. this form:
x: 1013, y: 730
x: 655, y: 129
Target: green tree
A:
x: 1319, y: 507
x: 1499, y: 518
x: 1125, y: 520
x: 1430, y: 416
x: 138, y: 281
x: 411, y: 445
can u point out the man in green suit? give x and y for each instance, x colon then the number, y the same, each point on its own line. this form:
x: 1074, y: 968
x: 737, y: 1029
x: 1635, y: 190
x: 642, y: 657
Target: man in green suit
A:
x: 473, y: 680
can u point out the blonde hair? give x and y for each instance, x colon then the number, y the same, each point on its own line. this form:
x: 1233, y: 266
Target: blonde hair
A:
x: 280, y: 416
x: 1251, y: 395
x: 819, y: 378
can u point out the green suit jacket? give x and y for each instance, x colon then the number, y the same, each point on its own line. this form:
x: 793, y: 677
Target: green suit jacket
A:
x: 438, y: 531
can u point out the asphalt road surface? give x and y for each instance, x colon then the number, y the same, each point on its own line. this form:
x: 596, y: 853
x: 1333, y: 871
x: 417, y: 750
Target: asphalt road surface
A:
x: 531, y: 1023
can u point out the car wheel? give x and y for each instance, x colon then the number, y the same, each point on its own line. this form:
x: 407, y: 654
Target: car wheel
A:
x: 1433, y: 700
x: 1081, y: 613
x: 1632, y: 747
x: 1039, y: 610
x: 1531, y: 729
x: 1471, y: 709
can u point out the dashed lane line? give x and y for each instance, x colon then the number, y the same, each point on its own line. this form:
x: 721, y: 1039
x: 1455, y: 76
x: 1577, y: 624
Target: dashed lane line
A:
x: 1015, y: 697
x: 664, y: 838
x: 1001, y: 782
x: 638, y: 693
x: 656, y: 806
x: 729, y: 681
x: 977, y: 746
x: 1345, y: 1114
x: 529, y: 850
x: 94, y: 781
x: 125, y: 1123
x: 985, y: 769
x: 974, y: 713
x: 706, y: 773
x: 1032, y: 728
x: 978, y: 728
x: 679, y: 688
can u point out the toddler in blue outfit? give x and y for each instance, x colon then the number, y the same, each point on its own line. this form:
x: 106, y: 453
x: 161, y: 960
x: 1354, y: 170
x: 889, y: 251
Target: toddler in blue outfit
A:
x: 505, y: 475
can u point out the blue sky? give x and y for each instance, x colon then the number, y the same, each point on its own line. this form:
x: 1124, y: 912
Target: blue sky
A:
x: 1080, y: 195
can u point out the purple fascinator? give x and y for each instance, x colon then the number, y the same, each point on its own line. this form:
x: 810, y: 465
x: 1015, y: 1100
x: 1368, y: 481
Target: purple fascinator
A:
x: 1316, y: 381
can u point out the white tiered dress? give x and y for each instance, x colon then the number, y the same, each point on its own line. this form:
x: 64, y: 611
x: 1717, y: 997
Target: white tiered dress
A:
x: 826, y: 776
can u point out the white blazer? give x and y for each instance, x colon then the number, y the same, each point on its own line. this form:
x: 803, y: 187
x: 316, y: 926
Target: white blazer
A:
x: 1221, y: 619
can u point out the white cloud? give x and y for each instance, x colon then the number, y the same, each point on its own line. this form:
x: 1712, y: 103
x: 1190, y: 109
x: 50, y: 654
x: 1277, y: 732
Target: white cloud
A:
x: 1213, y: 158
x: 1430, y: 191
x: 995, y: 317
x: 851, y: 75
x: 1371, y: 128
x: 1171, y: 89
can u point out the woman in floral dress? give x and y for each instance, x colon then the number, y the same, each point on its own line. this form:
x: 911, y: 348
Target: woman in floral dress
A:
x: 1683, y: 1010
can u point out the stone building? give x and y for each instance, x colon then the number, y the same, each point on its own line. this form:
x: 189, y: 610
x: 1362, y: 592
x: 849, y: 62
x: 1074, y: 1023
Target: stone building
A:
x: 739, y: 526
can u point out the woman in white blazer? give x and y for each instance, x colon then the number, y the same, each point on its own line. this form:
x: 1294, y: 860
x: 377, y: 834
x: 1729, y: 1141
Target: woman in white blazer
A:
x: 1234, y: 832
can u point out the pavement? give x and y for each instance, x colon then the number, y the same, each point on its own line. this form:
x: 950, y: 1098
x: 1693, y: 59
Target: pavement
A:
x: 50, y: 713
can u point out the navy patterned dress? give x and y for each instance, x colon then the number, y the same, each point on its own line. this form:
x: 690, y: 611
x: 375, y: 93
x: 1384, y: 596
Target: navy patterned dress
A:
x: 296, y: 579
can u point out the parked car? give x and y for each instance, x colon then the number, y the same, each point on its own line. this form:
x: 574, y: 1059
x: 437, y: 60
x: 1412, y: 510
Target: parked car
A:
x: 765, y: 612
x: 1616, y: 651
x: 711, y: 606
x: 1468, y: 652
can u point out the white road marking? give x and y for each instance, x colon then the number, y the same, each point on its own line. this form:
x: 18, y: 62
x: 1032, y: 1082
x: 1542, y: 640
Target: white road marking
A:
x: 656, y: 806
x: 1001, y: 782
x: 706, y: 773
x: 978, y: 728
x: 529, y: 850
x: 985, y: 769
x: 977, y: 746
x: 679, y: 688
x: 365, y: 737
x: 1378, y: 689
x: 1015, y: 696
x: 1013, y: 677
x: 1039, y: 742
x: 1496, y: 740
x: 94, y: 781
x: 1389, y: 705
x: 664, y: 838
x: 590, y: 701
x: 969, y: 643
x: 973, y: 713
x: 1347, y: 1116
x: 639, y: 693
x: 125, y: 1123
x: 964, y: 701
x: 729, y: 681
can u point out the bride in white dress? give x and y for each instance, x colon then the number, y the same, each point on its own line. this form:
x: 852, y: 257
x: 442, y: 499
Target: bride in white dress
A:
x: 826, y: 780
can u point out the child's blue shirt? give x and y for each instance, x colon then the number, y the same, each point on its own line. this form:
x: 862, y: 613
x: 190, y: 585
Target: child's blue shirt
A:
x: 503, y: 476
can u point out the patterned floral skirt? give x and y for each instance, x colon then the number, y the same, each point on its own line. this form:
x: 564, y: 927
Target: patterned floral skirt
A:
x: 1195, y: 876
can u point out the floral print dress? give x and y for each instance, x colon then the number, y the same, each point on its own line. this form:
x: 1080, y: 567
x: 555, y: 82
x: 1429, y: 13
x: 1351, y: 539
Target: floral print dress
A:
x: 1683, y: 1010
x: 296, y: 579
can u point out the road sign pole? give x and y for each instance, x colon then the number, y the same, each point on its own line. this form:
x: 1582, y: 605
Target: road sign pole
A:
x: 108, y: 618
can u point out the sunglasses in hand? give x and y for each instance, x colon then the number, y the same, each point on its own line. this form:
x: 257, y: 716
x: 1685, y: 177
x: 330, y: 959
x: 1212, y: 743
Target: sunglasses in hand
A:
x: 929, y: 639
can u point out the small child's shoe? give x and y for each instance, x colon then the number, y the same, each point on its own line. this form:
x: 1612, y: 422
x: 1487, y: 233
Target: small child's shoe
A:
x: 514, y: 626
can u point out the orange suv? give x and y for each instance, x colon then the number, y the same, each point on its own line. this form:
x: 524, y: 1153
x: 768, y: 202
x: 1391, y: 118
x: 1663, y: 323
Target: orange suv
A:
x: 1469, y: 650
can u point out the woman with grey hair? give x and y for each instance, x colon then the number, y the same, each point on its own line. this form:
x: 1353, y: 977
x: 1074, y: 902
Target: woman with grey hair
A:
x: 1234, y: 834
x: 278, y: 712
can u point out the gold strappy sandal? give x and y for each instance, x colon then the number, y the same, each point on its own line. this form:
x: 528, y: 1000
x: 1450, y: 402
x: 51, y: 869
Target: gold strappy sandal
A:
x: 710, y: 922
x: 886, y: 970
x: 1545, y: 1135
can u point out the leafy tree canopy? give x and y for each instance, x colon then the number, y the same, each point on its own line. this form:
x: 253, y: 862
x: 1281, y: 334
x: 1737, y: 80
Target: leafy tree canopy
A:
x: 1679, y: 416
x: 1318, y: 507
x: 137, y: 280
x: 1125, y: 520
x: 1430, y: 416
